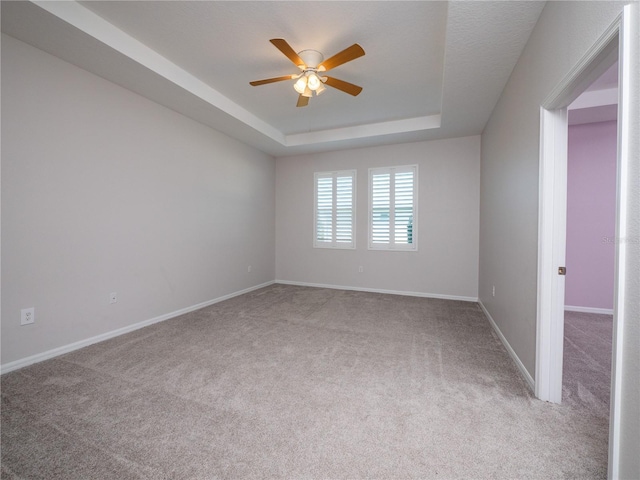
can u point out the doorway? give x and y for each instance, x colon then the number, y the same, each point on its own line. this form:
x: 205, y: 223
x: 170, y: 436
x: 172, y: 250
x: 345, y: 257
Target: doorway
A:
x: 590, y: 246
x: 613, y: 45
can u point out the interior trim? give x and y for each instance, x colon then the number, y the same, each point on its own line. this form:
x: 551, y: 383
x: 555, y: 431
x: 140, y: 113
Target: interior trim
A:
x: 380, y: 290
x: 601, y: 311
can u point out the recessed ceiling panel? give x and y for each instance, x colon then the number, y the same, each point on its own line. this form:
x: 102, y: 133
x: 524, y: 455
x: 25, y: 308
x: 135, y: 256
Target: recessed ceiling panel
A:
x: 226, y: 45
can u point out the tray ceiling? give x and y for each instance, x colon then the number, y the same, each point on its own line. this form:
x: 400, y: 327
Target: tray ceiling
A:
x: 431, y: 69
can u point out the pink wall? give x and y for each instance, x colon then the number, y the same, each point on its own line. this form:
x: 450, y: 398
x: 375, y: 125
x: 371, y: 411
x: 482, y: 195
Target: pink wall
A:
x: 591, y: 207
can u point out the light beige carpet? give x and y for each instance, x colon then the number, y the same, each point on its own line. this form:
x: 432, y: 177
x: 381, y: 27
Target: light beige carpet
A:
x: 586, y: 368
x: 294, y: 382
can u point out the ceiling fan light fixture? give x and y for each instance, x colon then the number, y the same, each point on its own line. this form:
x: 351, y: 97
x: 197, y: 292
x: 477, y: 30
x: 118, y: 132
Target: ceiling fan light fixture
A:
x: 321, y: 88
x: 307, y: 92
x: 301, y: 85
x: 313, y: 81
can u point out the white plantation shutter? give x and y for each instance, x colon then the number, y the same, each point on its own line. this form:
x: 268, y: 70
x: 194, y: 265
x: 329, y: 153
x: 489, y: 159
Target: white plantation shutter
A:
x: 393, y: 208
x: 334, y: 209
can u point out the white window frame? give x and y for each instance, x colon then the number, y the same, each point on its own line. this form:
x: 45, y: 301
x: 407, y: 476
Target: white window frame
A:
x: 334, y: 244
x: 391, y: 246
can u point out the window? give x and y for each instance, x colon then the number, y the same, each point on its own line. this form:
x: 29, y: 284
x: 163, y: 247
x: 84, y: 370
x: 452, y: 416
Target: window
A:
x: 334, y: 209
x: 393, y: 205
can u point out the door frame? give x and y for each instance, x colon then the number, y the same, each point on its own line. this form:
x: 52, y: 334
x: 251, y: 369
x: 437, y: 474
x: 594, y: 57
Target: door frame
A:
x: 611, y: 46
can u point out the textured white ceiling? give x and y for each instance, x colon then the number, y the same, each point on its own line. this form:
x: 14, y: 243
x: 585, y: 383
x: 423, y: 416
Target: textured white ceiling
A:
x: 431, y: 69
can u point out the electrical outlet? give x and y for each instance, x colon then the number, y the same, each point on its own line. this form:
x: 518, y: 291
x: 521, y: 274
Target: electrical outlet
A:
x: 27, y: 316
x: 493, y: 291
x: 113, y: 297
x: 360, y: 269
x: 249, y: 269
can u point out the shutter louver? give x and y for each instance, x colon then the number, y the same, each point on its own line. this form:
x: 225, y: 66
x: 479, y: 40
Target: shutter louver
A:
x: 344, y: 209
x: 324, y: 210
x: 380, y: 222
x: 403, y: 208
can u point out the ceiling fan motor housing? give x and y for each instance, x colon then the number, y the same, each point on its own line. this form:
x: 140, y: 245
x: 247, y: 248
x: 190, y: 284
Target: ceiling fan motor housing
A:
x: 311, y: 58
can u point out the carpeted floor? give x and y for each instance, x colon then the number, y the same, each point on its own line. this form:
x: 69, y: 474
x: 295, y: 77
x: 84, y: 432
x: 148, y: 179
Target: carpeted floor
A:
x: 295, y: 382
x: 586, y: 381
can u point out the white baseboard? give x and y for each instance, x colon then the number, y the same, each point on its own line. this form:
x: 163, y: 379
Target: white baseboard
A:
x: 378, y: 290
x: 40, y: 357
x: 601, y: 311
x: 523, y: 371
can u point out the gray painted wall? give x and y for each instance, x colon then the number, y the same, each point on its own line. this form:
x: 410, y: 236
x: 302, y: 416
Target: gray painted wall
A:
x: 446, y: 262
x: 104, y: 190
x: 509, y: 194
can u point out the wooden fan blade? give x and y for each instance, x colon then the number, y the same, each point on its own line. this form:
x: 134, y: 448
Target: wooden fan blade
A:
x: 255, y: 83
x: 346, y: 87
x: 289, y: 52
x: 346, y: 55
x: 302, y: 101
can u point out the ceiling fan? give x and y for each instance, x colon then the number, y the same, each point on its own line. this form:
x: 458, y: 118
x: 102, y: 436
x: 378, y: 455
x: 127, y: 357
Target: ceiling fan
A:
x: 312, y: 64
